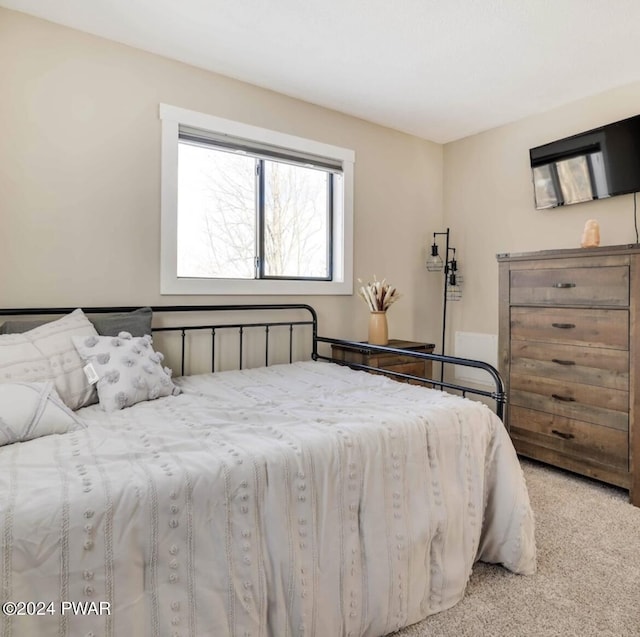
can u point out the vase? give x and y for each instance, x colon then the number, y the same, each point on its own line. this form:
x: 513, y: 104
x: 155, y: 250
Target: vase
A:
x: 378, y: 329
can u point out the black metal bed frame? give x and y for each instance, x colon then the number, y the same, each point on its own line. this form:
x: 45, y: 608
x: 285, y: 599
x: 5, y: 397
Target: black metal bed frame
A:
x: 498, y: 394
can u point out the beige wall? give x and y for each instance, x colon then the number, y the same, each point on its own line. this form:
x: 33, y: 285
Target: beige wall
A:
x: 80, y: 183
x: 80, y: 178
x: 488, y: 200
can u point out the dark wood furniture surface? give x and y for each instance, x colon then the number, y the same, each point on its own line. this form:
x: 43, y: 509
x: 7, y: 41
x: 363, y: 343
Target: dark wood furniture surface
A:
x: 568, y: 353
x: 388, y: 360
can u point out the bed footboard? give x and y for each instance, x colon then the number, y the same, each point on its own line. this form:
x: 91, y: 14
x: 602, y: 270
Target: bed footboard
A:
x: 498, y: 394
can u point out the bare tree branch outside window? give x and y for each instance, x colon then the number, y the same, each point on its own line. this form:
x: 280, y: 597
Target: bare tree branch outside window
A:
x: 217, y: 216
x: 295, y: 221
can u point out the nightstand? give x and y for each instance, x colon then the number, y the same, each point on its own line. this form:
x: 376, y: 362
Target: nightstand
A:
x: 388, y: 360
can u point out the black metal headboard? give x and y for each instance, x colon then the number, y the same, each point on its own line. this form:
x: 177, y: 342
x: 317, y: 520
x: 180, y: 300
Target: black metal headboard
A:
x: 241, y: 327
x: 498, y: 394
x: 212, y: 328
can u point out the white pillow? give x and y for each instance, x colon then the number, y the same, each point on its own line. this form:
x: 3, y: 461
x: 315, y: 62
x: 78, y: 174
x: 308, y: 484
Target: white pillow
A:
x: 127, y: 369
x: 47, y: 353
x: 31, y: 410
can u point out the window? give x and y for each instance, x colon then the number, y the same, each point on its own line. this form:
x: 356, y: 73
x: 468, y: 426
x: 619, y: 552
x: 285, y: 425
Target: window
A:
x: 247, y: 210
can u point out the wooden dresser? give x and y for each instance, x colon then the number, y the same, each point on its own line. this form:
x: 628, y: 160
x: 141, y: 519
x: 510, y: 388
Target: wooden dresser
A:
x: 388, y: 360
x: 569, y: 342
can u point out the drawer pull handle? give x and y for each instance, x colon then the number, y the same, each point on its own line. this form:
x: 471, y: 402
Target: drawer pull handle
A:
x: 562, y: 434
x: 563, y: 326
x: 564, y: 285
x: 561, y: 362
x: 566, y: 399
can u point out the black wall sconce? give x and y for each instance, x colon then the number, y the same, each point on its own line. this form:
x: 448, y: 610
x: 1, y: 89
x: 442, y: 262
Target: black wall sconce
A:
x: 452, y: 279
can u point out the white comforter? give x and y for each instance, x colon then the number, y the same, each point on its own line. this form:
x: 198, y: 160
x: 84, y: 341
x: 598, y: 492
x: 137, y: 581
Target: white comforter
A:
x: 304, y: 500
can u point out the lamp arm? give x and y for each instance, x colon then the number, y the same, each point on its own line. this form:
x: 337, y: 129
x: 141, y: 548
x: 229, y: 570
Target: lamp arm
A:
x: 444, y: 303
x: 450, y: 267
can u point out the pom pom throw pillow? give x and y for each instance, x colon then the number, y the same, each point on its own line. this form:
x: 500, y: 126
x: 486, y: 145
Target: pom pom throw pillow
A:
x: 126, y: 368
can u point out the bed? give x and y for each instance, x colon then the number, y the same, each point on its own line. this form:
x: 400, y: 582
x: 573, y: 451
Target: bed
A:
x: 298, y: 498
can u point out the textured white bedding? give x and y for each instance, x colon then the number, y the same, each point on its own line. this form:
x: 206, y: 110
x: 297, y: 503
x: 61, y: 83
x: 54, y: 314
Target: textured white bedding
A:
x: 304, y: 500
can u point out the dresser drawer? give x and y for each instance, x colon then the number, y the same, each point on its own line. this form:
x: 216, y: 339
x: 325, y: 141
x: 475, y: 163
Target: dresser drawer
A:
x: 571, y: 286
x: 581, y: 440
x: 399, y: 363
x: 591, y: 328
x: 587, y: 365
x: 598, y: 405
x: 414, y: 369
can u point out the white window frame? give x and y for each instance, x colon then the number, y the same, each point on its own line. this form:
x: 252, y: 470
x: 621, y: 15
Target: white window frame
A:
x: 172, y: 117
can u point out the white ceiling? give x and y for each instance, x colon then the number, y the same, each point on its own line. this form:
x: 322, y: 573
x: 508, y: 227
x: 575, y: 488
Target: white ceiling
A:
x: 439, y: 69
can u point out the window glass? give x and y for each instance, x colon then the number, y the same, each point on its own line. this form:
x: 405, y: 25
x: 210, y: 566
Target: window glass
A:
x: 216, y: 213
x: 297, y: 210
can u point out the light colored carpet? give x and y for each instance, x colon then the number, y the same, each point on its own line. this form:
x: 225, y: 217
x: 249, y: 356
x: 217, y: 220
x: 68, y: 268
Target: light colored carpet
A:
x: 588, y: 579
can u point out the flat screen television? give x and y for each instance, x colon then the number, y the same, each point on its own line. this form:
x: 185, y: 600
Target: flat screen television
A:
x: 599, y: 163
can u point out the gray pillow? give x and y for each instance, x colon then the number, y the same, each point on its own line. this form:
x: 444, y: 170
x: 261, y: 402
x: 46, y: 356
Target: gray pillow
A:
x: 137, y: 323
x: 19, y: 326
